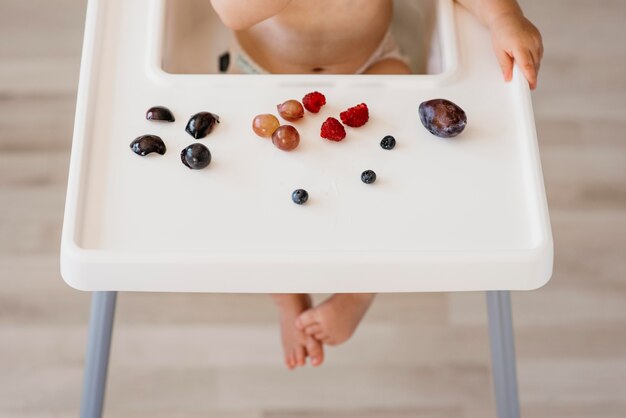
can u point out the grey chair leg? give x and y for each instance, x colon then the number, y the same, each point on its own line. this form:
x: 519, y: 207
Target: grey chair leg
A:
x: 503, y: 354
x: 97, y: 357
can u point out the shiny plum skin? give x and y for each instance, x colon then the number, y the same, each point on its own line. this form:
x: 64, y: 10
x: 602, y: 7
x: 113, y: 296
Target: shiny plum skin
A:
x: 146, y: 144
x: 442, y: 118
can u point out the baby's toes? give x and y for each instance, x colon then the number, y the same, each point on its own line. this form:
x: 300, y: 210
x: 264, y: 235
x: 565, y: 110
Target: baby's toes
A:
x: 300, y: 355
x: 306, y: 318
x: 313, y: 329
x: 290, y: 360
x: 315, y: 351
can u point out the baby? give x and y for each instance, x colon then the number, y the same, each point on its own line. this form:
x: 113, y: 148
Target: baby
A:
x: 345, y: 37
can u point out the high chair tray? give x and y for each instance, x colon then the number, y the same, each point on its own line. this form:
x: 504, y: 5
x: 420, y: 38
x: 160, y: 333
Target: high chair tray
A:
x: 459, y: 214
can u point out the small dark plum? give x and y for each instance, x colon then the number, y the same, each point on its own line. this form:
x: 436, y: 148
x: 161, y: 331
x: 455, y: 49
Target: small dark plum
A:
x: 300, y: 196
x: 160, y: 113
x: 442, y: 118
x: 388, y: 142
x: 368, y: 177
x: 146, y: 144
x: 196, y: 156
x: 201, y: 124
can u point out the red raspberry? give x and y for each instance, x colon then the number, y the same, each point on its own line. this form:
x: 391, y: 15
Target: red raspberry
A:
x: 356, y: 116
x: 333, y: 129
x: 313, y: 102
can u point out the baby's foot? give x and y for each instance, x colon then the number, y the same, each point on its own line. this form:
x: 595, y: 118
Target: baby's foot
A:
x: 296, y: 344
x: 336, y: 319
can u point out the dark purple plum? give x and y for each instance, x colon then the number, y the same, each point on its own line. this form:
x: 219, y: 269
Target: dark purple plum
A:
x: 442, y: 118
x: 201, y: 124
x: 146, y: 144
x: 160, y: 113
x: 196, y: 156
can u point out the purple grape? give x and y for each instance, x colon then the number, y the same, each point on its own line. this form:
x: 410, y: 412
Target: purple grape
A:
x: 195, y: 156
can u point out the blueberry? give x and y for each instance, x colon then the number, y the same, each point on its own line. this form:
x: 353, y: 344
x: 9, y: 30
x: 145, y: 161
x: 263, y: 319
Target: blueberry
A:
x: 159, y: 113
x: 368, y: 177
x: 388, y: 142
x: 145, y: 144
x: 300, y: 196
x: 201, y: 124
x: 442, y: 118
x: 196, y: 156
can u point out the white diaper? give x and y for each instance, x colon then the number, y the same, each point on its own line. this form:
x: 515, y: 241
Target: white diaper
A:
x: 387, y: 49
x: 242, y: 63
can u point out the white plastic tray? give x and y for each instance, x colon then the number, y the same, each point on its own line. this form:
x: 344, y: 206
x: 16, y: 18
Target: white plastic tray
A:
x: 444, y: 215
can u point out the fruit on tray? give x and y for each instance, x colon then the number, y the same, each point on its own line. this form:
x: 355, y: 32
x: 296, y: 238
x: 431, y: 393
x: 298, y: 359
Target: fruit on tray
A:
x: 388, y: 142
x: 333, y: 130
x: 290, y: 110
x: 265, y: 125
x: 201, y: 124
x: 196, y: 156
x: 286, y: 138
x: 355, y: 116
x: 160, y: 113
x: 442, y: 118
x: 146, y: 144
x: 368, y: 177
x: 300, y: 196
x: 313, y: 102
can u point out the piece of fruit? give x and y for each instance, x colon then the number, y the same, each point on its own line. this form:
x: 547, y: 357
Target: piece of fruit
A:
x: 201, y: 124
x: 160, y: 113
x: 368, y: 177
x: 313, y: 102
x: 286, y: 138
x: 442, y: 118
x: 290, y: 110
x: 196, y: 156
x: 265, y: 125
x: 388, y: 142
x: 333, y: 129
x: 300, y: 196
x: 146, y: 144
x: 355, y: 116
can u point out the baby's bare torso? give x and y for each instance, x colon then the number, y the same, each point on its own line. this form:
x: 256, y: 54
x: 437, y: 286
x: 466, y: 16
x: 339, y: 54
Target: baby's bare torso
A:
x: 318, y: 36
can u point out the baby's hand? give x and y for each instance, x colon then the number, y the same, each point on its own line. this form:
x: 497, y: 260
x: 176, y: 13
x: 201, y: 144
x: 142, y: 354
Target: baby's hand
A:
x: 517, y: 40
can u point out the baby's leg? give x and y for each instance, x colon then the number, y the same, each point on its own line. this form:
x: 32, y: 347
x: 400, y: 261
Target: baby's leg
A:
x: 335, y: 320
x: 296, y: 344
x: 388, y: 66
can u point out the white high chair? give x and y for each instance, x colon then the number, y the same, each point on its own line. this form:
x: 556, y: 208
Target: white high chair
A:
x: 466, y: 214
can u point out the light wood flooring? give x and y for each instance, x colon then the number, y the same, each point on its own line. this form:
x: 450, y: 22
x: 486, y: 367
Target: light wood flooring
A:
x: 421, y: 355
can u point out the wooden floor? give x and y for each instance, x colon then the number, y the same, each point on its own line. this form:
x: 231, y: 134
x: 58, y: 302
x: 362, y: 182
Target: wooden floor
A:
x: 425, y: 355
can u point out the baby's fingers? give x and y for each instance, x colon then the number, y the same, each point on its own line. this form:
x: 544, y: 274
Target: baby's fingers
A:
x: 506, y: 64
x: 526, y: 62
